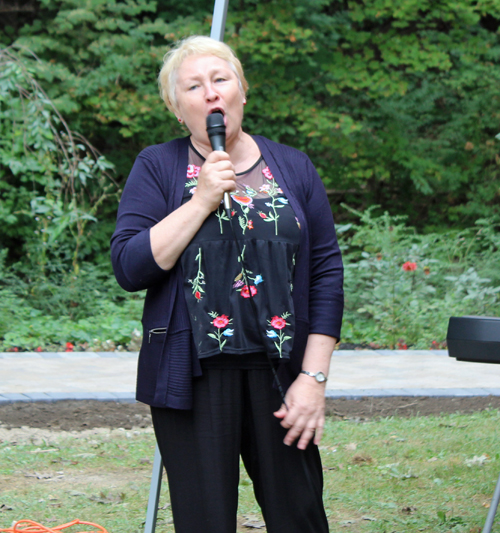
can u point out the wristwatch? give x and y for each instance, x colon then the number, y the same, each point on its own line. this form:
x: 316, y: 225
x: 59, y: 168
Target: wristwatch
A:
x: 319, y: 376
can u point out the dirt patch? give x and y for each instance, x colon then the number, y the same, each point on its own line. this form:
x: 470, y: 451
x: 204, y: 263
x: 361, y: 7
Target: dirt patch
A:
x: 85, y: 415
x: 406, y: 407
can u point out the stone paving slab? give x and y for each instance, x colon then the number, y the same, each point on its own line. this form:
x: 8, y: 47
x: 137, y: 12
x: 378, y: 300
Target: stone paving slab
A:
x: 110, y: 376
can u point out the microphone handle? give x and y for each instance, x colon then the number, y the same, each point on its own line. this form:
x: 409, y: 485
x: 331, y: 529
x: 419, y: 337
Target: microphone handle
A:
x: 218, y: 143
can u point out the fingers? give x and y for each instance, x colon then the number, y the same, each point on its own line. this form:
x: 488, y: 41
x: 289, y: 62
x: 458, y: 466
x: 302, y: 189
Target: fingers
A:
x: 281, y: 412
x: 217, y: 176
x: 304, y: 430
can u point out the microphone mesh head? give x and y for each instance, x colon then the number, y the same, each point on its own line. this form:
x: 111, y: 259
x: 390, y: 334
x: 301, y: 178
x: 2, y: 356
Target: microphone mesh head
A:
x: 215, y: 124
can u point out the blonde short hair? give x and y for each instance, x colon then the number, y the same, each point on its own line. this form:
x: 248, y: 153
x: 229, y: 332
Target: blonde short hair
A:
x: 195, y: 45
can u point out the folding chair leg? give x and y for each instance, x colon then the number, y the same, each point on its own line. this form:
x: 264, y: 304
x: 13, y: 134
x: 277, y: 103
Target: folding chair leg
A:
x: 493, y: 508
x: 154, y: 493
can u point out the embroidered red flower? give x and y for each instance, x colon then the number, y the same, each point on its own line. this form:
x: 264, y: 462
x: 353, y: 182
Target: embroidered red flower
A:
x: 262, y: 215
x: 233, y: 212
x: 267, y: 173
x: 250, y: 224
x: 245, y: 292
x: 242, y: 200
x: 409, y: 266
x: 197, y: 295
x: 193, y: 171
x: 277, y: 322
x: 221, y: 321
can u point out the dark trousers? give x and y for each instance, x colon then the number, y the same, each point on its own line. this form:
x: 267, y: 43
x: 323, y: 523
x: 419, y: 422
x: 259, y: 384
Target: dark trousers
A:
x: 232, y: 415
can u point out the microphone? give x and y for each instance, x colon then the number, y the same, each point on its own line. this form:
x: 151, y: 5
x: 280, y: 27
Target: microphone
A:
x: 216, y: 130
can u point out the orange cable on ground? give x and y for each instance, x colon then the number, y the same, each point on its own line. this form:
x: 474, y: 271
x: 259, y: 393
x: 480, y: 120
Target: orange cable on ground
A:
x: 34, y: 527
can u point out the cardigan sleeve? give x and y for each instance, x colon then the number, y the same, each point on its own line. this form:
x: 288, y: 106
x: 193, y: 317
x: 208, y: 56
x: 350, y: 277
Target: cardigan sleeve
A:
x: 143, y: 204
x: 326, y: 295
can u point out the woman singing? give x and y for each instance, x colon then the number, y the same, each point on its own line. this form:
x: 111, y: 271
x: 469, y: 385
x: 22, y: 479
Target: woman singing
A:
x: 231, y: 296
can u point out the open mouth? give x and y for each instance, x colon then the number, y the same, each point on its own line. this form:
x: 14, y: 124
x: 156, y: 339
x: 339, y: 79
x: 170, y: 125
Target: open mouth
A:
x: 217, y: 110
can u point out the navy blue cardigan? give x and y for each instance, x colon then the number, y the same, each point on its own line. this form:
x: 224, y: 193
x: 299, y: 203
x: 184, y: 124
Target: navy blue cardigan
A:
x: 168, y: 360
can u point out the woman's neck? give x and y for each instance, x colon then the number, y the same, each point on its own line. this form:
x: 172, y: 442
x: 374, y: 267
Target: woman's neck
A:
x: 243, y: 150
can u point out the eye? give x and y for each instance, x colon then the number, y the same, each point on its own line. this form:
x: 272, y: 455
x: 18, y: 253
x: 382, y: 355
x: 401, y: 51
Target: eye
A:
x: 220, y: 79
x: 192, y: 87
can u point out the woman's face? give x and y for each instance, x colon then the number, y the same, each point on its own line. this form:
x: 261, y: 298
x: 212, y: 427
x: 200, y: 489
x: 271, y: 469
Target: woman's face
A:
x: 205, y: 84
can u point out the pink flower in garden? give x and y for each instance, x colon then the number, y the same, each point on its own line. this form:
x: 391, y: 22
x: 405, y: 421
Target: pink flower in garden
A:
x: 277, y: 322
x: 267, y: 173
x: 69, y: 347
x: 221, y: 321
x: 409, y: 266
x: 245, y: 292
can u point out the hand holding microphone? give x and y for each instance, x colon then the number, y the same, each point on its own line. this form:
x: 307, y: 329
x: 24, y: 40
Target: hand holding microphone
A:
x: 216, y: 130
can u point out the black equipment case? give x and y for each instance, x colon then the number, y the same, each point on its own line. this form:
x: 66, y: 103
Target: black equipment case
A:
x: 474, y: 338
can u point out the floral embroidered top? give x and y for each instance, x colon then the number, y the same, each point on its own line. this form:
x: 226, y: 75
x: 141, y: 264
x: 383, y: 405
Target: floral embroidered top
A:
x: 217, y: 287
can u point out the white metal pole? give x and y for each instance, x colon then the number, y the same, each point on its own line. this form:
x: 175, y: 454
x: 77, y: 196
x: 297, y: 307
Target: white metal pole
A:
x: 219, y: 20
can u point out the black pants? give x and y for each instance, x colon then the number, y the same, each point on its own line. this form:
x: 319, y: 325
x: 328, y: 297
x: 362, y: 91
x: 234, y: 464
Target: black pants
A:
x: 232, y: 415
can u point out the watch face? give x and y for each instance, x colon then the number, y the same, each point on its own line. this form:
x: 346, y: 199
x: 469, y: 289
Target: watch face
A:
x: 320, y: 377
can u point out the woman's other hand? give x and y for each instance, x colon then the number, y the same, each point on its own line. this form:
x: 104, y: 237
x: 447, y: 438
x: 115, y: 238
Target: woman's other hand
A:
x: 305, y: 416
x: 217, y: 176
x: 305, y: 399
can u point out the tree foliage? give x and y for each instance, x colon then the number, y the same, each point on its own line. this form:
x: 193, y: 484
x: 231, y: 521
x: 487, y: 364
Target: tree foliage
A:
x: 52, y: 181
x: 396, y: 102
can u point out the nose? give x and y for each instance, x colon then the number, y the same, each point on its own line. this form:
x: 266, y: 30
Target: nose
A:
x: 210, y: 93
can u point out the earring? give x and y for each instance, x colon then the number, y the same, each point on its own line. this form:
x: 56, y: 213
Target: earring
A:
x: 244, y: 101
x: 179, y: 119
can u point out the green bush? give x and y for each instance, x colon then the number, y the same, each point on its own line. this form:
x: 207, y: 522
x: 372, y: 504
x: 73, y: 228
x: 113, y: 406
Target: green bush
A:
x: 388, y: 304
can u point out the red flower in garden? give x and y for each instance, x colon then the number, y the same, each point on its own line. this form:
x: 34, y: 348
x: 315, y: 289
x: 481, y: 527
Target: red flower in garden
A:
x: 409, y: 266
x: 197, y: 295
x: 250, y: 224
x: 221, y: 321
x: 245, y: 292
x: 262, y: 215
x: 39, y: 349
x: 277, y: 322
x: 69, y: 347
x: 402, y: 345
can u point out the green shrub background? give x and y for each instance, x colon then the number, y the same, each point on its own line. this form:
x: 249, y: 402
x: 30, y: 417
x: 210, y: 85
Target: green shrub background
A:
x: 396, y: 103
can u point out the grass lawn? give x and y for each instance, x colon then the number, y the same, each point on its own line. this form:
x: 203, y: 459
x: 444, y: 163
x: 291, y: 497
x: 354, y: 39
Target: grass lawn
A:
x: 434, y: 474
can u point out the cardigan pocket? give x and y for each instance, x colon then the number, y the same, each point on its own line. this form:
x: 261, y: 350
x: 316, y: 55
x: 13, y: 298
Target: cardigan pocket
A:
x: 150, y: 358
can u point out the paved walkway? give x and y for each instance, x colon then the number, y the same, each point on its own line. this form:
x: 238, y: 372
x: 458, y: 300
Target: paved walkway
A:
x: 353, y: 374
